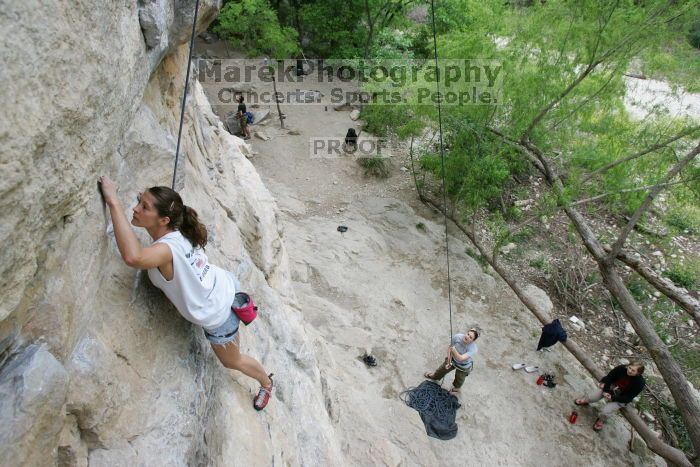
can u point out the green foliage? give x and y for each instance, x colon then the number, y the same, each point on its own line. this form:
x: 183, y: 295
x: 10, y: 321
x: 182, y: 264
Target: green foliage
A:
x: 689, y: 358
x: 253, y: 26
x: 478, y: 257
x: 675, y: 422
x: 539, y: 263
x: 684, y: 218
x: 375, y: 166
x: 677, y: 62
x: 694, y: 34
x: 476, y: 167
x: 392, y: 44
x: 381, y: 120
x: 637, y: 289
x: 454, y: 16
x: 523, y: 235
x: 333, y: 28
x: 420, y: 226
x: 685, y: 275
x: 513, y: 213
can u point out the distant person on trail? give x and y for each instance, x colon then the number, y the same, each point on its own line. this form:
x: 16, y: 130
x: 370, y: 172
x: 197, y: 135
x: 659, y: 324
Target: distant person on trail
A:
x: 176, y: 264
x: 459, y: 358
x: 619, y: 387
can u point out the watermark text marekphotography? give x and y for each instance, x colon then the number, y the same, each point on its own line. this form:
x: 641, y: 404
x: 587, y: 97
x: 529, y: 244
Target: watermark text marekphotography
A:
x: 325, y: 147
x: 354, y: 82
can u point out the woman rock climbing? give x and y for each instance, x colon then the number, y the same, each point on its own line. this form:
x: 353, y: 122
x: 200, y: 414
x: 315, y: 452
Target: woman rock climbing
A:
x: 176, y: 264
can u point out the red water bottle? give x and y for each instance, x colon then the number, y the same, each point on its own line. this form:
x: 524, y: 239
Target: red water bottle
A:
x: 573, y: 417
x: 540, y: 380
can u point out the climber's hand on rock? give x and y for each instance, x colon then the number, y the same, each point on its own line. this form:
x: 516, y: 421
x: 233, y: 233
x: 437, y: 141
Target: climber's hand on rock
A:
x: 109, y: 189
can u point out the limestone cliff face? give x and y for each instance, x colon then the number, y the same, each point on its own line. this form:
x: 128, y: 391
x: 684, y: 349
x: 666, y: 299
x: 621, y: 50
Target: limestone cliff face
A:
x: 96, y: 367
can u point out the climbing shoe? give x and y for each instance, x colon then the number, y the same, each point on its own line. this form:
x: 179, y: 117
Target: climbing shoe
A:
x: 369, y: 360
x: 263, y: 397
x: 549, y: 381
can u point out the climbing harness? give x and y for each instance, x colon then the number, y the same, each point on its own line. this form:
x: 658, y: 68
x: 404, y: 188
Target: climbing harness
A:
x: 184, y: 93
x: 442, y: 166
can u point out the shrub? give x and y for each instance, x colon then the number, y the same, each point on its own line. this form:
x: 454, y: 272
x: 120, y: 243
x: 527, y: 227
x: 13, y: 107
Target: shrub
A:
x: 684, y: 275
x: 694, y: 35
x: 375, y: 166
x: 684, y: 218
x: 637, y: 290
x: 538, y: 263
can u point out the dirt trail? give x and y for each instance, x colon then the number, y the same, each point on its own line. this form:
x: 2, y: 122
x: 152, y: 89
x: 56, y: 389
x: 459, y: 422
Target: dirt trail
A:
x: 381, y: 287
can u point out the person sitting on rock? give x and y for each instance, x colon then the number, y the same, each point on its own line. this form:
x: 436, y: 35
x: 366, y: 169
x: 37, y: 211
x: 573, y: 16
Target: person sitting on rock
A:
x: 619, y: 387
x: 202, y: 292
x: 351, y: 140
x: 459, y: 358
x: 243, y: 123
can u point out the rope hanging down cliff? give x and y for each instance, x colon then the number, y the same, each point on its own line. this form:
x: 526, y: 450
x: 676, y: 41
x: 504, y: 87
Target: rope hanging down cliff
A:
x: 184, y: 93
x: 442, y: 165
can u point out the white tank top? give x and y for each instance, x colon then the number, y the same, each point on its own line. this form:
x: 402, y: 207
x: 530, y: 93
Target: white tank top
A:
x: 201, y: 292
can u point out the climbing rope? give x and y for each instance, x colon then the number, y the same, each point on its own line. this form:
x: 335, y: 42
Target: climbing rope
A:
x: 436, y: 406
x: 184, y: 93
x: 442, y: 166
x: 429, y: 397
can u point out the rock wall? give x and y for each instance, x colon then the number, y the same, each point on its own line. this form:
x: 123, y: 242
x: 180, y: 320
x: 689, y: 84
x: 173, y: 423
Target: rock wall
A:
x: 96, y: 367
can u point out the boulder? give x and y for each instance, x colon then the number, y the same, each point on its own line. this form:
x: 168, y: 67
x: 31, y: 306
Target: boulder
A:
x: 638, y: 446
x: 260, y: 116
x: 355, y: 114
x: 231, y: 123
x: 208, y: 37
x: 262, y: 135
x: 153, y: 21
x: 33, y: 388
x: 508, y: 248
x: 540, y: 298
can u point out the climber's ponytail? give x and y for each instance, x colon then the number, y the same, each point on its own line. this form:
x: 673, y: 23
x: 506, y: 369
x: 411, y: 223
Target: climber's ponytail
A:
x: 192, y: 229
x: 183, y: 218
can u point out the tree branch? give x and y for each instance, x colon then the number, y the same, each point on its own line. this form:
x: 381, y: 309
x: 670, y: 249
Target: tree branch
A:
x: 535, y: 121
x: 517, y: 145
x: 585, y: 101
x: 619, y: 243
x: 663, y: 285
x: 631, y: 190
x: 605, y: 168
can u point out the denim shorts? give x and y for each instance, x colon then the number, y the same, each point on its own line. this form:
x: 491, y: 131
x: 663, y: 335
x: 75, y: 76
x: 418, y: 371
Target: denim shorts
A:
x: 224, y: 333
x: 229, y: 330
